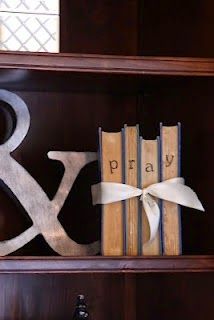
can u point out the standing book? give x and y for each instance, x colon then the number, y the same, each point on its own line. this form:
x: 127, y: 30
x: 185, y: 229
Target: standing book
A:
x: 150, y: 174
x: 112, y: 213
x: 170, y: 168
x: 131, y: 164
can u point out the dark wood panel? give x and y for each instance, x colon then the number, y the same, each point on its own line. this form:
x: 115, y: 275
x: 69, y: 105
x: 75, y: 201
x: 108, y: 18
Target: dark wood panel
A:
x: 168, y: 296
x: 177, y: 28
x: 104, y: 64
x: 107, y: 26
x: 129, y: 292
x: 54, y: 296
x: 175, y: 296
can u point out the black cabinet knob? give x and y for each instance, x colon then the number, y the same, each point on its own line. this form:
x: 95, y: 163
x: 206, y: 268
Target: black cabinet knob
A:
x: 80, y: 309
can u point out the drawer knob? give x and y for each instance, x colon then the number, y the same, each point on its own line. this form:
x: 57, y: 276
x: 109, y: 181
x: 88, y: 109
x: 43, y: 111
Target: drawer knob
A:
x: 80, y: 309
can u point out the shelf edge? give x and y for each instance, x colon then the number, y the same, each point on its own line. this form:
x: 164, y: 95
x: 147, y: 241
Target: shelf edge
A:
x: 59, y: 265
x: 135, y: 65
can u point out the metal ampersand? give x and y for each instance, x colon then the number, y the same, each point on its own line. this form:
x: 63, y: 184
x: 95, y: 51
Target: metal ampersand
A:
x: 40, y: 208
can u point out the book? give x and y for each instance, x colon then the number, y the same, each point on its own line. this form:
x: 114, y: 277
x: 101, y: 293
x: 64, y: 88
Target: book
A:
x: 131, y: 163
x: 170, y: 168
x: 112, y: 213
x: 150, y: 174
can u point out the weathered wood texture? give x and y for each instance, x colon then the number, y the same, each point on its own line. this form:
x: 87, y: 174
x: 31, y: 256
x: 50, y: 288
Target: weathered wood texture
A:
x: 42, y: 210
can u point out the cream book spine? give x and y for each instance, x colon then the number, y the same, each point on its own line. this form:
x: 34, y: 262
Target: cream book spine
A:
x: 131, y: 158
x: 112, y: 214
x: 170, y: 168
x: 150, y: 174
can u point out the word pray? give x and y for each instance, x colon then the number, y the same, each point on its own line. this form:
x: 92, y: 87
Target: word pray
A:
x: 149, y: 167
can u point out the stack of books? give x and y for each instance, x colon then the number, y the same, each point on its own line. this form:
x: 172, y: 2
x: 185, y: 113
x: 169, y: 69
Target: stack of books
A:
x: 127, y: 158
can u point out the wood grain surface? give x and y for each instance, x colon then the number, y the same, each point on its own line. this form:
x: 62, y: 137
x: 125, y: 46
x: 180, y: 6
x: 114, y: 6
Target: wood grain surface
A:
x: 108, y: 64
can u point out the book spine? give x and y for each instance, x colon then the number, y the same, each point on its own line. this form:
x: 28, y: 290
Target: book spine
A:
x: 140, y: 204
x: 123, y: 181
x: 150, y: 175
x: 112, y: 213
x: 159, y: 200
x: 100, y: 167
x: 170, y: 168
x: 179, y: 175
x: 131, y: 137
x: 141, y: 181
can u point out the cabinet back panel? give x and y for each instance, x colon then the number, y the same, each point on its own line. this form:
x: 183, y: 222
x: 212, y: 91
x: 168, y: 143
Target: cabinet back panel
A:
x: 106, y: 27
x: 178, y: 28
x: 144, y: 27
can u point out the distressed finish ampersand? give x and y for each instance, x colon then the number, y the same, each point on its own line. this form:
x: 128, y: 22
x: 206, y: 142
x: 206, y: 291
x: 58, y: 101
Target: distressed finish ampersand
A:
x: 40, y: 208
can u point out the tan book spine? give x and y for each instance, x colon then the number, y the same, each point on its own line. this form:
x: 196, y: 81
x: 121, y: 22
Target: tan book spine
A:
x: 131, y: 135
x: 149, y: 175
x: 112, y: 214
x: 170, y: 155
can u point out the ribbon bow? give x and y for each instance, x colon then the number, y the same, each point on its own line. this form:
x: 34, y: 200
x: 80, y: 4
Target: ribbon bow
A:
x: 173, y: 190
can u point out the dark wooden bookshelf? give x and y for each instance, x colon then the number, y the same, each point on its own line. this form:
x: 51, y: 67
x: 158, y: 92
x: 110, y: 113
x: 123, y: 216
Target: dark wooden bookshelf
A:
x: 121, y: 62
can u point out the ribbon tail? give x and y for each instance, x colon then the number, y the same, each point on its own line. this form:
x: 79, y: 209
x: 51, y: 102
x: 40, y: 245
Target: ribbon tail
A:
x: 177, y: 193
x: 153, y: 215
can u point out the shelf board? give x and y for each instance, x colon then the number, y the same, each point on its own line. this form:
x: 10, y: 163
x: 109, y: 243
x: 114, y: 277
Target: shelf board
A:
x: 97, y: 264
x: 110, y: 64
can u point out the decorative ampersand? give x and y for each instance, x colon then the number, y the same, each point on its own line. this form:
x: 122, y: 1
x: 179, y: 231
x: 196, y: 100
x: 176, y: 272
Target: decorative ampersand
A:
x: 40, y: 208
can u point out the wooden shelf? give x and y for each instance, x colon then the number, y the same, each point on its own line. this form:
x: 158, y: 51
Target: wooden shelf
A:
x: 108, y: 64
x: 106, y: 264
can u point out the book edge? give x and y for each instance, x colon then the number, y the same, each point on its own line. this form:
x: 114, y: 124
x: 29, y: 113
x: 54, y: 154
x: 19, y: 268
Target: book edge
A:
x: 161, y: 179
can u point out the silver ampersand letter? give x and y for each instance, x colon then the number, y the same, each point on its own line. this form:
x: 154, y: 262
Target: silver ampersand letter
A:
x: 40, y: 208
